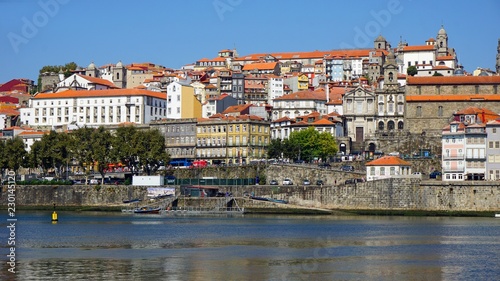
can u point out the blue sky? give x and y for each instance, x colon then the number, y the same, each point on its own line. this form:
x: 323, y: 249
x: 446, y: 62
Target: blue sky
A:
x: 34, y: 33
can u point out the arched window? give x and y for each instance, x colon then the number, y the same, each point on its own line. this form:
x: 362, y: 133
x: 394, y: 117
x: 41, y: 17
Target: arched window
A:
x: 391, y: 76
x: 118, y: 76
x: 400, y: 125
x: 390, y: 125
x: 381, y: 125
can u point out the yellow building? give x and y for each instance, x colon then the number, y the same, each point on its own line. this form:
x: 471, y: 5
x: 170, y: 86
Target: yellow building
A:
x: 303, y: 82
x: 232, y: 139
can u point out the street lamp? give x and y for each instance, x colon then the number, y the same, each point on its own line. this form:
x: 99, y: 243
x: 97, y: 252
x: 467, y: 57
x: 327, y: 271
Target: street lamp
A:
x: 227, y: 140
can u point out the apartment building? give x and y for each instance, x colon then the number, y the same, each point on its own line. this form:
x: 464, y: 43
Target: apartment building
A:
x: 94, y: 108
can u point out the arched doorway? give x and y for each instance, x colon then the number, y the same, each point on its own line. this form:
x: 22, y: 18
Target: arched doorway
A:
x: 390, y: 125
x: 343, y: 148
x: 372, y: 147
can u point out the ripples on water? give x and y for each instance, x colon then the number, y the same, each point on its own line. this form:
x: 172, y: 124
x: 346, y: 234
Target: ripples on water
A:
x: 109, y: 246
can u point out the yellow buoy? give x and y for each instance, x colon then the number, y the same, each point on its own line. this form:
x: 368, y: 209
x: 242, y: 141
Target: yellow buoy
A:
x: 54, y: 216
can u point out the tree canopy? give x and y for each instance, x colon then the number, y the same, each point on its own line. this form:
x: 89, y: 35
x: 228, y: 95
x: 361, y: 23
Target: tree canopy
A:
x: 307, y: 145
x: 412, y: 70
x: 90, y: 149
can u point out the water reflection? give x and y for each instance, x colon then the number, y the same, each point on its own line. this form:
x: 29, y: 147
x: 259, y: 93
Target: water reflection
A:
x: 100, y: 246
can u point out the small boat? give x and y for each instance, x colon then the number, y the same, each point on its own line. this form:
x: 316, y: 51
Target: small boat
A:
x: 132, y: 201
x: 147, y: 210
x: 277, y: 201
x: 259, y: 198
x: 497, y: 215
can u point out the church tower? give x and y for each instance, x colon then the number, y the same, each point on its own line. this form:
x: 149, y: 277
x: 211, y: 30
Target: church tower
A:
x: 119, y: 75
x: 498, y: 58
x: 380, y: 43
x: 91, y: 70
x: 442, y: 42
x: 390, y: 72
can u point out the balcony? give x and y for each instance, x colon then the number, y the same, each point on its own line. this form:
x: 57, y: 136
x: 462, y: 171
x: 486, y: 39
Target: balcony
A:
x: 453, y: 157
x: 453, y: 170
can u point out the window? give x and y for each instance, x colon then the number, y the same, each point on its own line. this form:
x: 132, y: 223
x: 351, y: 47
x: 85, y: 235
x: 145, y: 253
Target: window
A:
x: 440, y: 111
x: 419, y: 111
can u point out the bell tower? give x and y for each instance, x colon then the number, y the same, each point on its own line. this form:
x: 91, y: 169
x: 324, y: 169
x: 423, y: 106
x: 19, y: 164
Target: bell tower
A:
x: 498, y: 58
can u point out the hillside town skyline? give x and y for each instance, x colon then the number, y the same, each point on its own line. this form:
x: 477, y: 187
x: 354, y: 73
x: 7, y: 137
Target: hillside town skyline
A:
x: 37, y: 33
x: 230, y: 107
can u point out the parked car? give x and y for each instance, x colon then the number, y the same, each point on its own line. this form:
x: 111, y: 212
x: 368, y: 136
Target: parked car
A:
x: 287, y: 181
x: 273, y: 182
x: 320, y: 182
x: 434, y: 174
x: 353, y: 181
x: 347, y: 168
x: 306, y: 182
x: 324, y: 165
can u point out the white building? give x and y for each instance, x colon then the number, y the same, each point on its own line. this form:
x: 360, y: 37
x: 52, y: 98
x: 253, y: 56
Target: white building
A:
x: 275, y: 88
x: 299, y: 104
x: 94, y: 108
x: 387, y: 167
x: 83, y: 82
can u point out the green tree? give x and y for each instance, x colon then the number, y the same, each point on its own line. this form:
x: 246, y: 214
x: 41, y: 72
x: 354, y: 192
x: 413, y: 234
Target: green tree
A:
x: 327, y: 146
x: 309, y: 144
x: 151, y: 151
x: 14, y: 155
x: 124, y: 148
x: 81, y: 149
x: 275, y: 149
x: 412, y: 70
x: 101, y: 147
x: 51, y: 153
x: 437, y: 74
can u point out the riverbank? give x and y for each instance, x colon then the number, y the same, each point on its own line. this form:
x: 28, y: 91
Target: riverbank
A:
x: 282, y: 211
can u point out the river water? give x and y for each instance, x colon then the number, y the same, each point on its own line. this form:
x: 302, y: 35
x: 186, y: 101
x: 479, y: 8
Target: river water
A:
x: 116, y: 246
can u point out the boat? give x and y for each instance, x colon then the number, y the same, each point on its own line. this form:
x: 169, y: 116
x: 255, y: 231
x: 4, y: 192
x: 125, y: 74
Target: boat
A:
x: 132, y: 201
x: 259, y: 198
x: 147, y: 210
x: 277, y: 201
x: 497, y: 215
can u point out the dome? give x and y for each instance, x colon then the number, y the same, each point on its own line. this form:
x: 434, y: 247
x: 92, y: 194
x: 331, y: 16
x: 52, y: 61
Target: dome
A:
x: 119, y: 64
x: 459, y: 71
x: 442, y: 31
x: 91, y: 66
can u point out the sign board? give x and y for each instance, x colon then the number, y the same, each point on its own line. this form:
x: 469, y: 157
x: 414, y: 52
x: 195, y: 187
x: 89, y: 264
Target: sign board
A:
x: 155, y: 192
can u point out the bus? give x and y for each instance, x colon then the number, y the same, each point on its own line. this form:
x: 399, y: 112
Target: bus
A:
x: 181, y: 163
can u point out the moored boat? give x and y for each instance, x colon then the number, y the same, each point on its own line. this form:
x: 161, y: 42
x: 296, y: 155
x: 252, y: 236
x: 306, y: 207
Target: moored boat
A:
x: 147, y: 210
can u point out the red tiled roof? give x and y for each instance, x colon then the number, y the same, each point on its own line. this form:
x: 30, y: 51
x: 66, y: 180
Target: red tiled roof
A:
x: 388, y: 161
x: 452, y: 80
x: 418, y: 48
x: 260, y: 66
x: 100, y: 93
x: 283, y: 119
x: 309, y: 55
x: 318, y: 94
x: 9, y: 111
x: 31, y: 133
x: 98, y: 81
x: 437, y: 98
x: 445, y: 58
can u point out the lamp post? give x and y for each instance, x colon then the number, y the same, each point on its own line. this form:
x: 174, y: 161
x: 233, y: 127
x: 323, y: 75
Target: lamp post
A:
x: 227, y: 140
